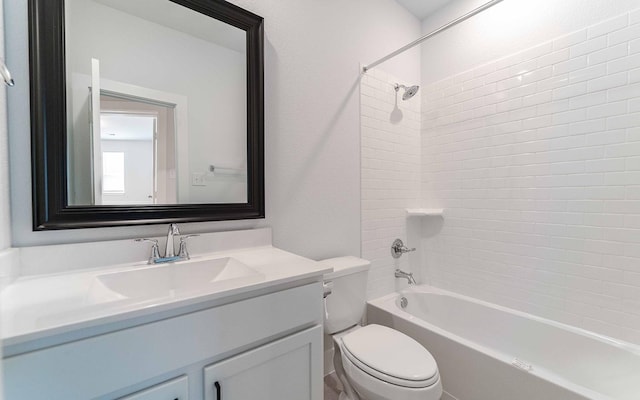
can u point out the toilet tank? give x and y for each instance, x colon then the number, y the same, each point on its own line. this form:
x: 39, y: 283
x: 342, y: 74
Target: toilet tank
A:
x: 345, y: 306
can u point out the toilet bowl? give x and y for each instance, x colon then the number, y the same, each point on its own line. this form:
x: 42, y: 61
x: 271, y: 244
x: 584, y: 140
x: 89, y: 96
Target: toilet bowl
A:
x: 382, y: 364
x: 373, y: 362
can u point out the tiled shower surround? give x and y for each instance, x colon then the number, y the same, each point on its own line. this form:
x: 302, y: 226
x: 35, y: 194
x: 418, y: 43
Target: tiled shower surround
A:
x: 535, y: 158
x: 390, y: 174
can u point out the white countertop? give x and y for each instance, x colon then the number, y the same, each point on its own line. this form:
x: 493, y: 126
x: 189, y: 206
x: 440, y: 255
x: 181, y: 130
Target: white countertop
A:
x: 45, y: 310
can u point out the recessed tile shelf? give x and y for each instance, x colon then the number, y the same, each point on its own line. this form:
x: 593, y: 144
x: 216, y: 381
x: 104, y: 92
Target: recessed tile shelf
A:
x: 425, y: 212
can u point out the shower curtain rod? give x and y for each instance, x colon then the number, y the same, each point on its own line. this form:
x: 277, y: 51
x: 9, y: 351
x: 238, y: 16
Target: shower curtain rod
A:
x: 430, y: 34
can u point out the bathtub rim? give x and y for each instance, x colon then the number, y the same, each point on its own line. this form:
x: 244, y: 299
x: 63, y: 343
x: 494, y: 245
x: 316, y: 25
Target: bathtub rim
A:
x: 425, y: 288
x: 388, y: 303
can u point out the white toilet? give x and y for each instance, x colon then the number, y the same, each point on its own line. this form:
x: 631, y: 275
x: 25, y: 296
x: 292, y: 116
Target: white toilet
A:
x: 373, y: 362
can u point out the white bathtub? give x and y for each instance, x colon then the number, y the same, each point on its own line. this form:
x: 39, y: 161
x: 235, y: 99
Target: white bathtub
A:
x: 488, y: 352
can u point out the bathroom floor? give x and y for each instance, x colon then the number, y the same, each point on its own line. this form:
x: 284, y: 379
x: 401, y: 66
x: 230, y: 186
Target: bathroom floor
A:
x: 332, y: 387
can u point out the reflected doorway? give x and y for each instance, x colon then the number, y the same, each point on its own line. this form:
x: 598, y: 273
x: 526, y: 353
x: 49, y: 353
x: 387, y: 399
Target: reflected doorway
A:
x: 137, y: 152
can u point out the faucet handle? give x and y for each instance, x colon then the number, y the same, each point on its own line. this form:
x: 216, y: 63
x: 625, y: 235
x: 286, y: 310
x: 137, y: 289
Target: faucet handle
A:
x: 183, y: 252
x: 155, y: 250
x: 398, y: 248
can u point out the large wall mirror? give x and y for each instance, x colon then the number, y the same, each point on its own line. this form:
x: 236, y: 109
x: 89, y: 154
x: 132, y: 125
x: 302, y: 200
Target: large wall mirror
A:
x: 145, y: 111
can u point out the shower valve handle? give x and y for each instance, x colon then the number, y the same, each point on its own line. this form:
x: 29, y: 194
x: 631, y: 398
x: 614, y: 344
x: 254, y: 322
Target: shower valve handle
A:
x: 398, y: 248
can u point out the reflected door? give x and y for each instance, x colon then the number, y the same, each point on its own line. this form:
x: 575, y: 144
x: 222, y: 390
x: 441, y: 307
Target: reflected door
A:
x: 95, y: 132
x: 128, y: 158
x: 144, y: 134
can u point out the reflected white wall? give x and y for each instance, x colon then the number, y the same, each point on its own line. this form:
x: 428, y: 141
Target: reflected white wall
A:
x: 149, y: 55
x: 5, y: 226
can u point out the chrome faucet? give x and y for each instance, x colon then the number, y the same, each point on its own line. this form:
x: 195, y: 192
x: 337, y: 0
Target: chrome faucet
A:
x: 155, y: 251
x: 183, y: 253
x: 407, y: 275
x: 169, y: 251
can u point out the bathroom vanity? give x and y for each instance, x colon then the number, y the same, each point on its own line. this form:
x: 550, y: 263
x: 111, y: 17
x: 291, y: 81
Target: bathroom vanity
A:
x: 242, y: 323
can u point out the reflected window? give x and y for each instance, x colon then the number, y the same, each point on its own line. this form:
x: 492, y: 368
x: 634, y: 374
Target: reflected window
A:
x: 113, y: 172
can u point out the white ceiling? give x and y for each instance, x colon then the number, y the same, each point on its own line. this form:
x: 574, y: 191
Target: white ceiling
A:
x: 422, y: 8
x: 182, y: 19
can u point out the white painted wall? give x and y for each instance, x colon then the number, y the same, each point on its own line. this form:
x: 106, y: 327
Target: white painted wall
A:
x: 313, y: 51
x: 506, y: 28
x: 535, y: 157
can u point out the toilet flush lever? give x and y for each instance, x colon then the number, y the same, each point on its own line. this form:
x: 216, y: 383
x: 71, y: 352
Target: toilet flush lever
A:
x: 398, y: 248
x: 327, y: 288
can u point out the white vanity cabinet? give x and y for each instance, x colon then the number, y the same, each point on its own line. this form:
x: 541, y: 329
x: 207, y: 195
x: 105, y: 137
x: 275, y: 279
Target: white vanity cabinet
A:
x: 264, y: 347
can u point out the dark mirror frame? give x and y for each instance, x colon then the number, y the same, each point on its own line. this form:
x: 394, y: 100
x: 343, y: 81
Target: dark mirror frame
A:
x: 49, y: 128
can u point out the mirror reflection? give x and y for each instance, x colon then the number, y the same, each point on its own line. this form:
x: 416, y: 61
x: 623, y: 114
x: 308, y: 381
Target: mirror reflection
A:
x: 156, y: 105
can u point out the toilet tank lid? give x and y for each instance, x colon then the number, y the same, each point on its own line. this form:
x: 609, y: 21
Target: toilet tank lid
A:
x: 345, y: 266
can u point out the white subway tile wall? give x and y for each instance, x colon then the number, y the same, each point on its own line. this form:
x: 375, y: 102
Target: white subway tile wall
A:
x: 536, y: 160
x: 391, y: 163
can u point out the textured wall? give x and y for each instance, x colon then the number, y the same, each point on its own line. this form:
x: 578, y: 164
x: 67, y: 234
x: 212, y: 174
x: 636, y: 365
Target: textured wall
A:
x: 536, y: 159
x: 390, y: 176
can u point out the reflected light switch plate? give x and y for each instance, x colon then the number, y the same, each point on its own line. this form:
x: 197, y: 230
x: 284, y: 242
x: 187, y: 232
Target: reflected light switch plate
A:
x: 197, y: 179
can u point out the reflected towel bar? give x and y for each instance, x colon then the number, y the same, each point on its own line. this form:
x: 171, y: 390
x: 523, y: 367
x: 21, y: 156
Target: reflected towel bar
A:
x: 225, y: 171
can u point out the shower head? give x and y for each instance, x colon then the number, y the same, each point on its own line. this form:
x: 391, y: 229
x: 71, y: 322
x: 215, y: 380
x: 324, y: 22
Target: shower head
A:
x: 409, y: 92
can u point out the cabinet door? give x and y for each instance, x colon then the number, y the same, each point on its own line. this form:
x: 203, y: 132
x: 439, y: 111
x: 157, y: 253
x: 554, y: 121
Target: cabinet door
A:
x: 175, y: 389
x: 287, y: 369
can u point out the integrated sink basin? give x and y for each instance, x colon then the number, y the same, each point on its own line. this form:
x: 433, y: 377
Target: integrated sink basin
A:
x: 177, y: 279
x: 88, y: 292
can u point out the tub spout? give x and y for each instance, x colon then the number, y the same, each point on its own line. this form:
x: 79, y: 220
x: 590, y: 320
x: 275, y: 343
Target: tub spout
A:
x: 407, y: 275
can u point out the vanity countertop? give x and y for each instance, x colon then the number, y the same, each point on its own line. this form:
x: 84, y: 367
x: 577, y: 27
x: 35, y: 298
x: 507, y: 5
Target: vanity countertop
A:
x: 45, y: 310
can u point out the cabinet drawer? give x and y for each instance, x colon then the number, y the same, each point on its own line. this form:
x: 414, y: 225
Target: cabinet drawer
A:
x: 175, y: 389
x: 289, y: 368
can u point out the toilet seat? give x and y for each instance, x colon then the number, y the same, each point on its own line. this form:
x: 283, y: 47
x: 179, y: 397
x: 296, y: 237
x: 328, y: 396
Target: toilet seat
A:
x: 390, y: 356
